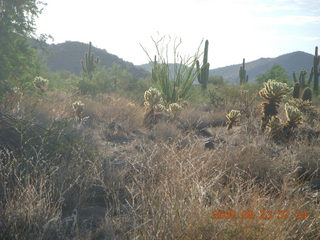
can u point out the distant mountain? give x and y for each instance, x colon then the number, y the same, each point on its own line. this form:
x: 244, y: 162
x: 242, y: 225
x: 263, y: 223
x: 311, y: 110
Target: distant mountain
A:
x: 67, y: 56
x: 291, y: 62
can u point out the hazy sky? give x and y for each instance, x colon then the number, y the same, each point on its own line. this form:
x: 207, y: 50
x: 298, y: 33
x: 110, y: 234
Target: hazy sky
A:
x: 235, y: 29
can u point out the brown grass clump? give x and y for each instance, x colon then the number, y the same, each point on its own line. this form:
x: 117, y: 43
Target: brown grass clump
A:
x: 82, y: 182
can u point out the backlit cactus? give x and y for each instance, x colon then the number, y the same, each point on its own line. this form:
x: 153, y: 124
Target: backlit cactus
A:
x: 273, y: 92
x: 78, y: 108
x: 89, y: 64
x: 274, y: 128
x: 308, y: 110
x: 232, y: 117
x: 243, y: 73
x: 307, y: 95
x: 294, y: 116
x: 316, y: 61
x: 41, y: 83
x: 152, y: 97
x: 175, y: 109
x: 153, y: 103
x: 203, y: 72
x: 296, y: 90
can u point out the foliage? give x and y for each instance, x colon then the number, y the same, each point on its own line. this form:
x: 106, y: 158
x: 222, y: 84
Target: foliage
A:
x: 114, y: 79
x: 17, y: 59
x: 216, y: 80
x: 174, y: 85
x: 277, y: 73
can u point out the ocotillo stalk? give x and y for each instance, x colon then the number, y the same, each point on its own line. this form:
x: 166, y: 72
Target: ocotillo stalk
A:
x: 243, y: 73
x: 154, y: 70
x: 316, y: 60
x: 203, y: 73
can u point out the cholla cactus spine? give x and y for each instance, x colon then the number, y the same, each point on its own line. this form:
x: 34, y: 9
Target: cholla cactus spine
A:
x: 175, y: 109
x: 274, y: 127
x: 232, y: 117
x: 78, y: 108
x: 152, y: 97
x: 273, y: 92
x: 41, y: 83
x: 294, y: 116
x: 153, y: 103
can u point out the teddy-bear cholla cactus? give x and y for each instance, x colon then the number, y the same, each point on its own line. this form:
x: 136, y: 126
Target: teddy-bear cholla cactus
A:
x: 294, y: 116
x: 78, y: 108
x: 175, y: 109
x: 153, y: 103
x: 274, y: 128
x: 306, y: 108
x: 41, y: 83
x: 152, y: 97
x: 283, y: 132
x: 232, y: 117
x: 273, y: 92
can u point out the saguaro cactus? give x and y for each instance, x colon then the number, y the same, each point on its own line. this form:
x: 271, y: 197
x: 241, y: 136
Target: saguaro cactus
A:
x: 316, y: 60
x: 243, y: 73
x: 203, y: 73
x: 307, y: 95
x: 89, y: 64
x: 302, y: 78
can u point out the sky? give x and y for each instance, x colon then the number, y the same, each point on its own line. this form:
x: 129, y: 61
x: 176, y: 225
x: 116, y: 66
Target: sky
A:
x: 236, y: 29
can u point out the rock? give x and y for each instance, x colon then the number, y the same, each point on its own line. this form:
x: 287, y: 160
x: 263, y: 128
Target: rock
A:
x: 209, y: 144
x: 121, y: 139
x: 315, y: 183
x: 97, y: 196
x: 205, y: 133
x: 105, y: 234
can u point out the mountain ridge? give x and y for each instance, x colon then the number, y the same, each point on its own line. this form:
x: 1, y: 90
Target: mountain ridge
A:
x: 291, y: 62
x: 67, y: 56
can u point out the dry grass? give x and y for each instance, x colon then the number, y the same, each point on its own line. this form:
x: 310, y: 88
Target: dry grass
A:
x: 160, y: 183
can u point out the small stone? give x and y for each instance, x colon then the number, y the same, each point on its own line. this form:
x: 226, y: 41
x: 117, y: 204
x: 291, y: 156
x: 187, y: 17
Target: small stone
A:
x: 209, y: 145
x: 205, y: 133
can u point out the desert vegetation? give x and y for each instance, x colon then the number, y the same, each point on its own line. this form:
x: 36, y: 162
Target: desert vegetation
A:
x: 106, y: 155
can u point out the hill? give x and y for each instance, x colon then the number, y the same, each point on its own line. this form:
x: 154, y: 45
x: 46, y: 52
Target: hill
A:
x: 291, y: 62
x: 68, y: 55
